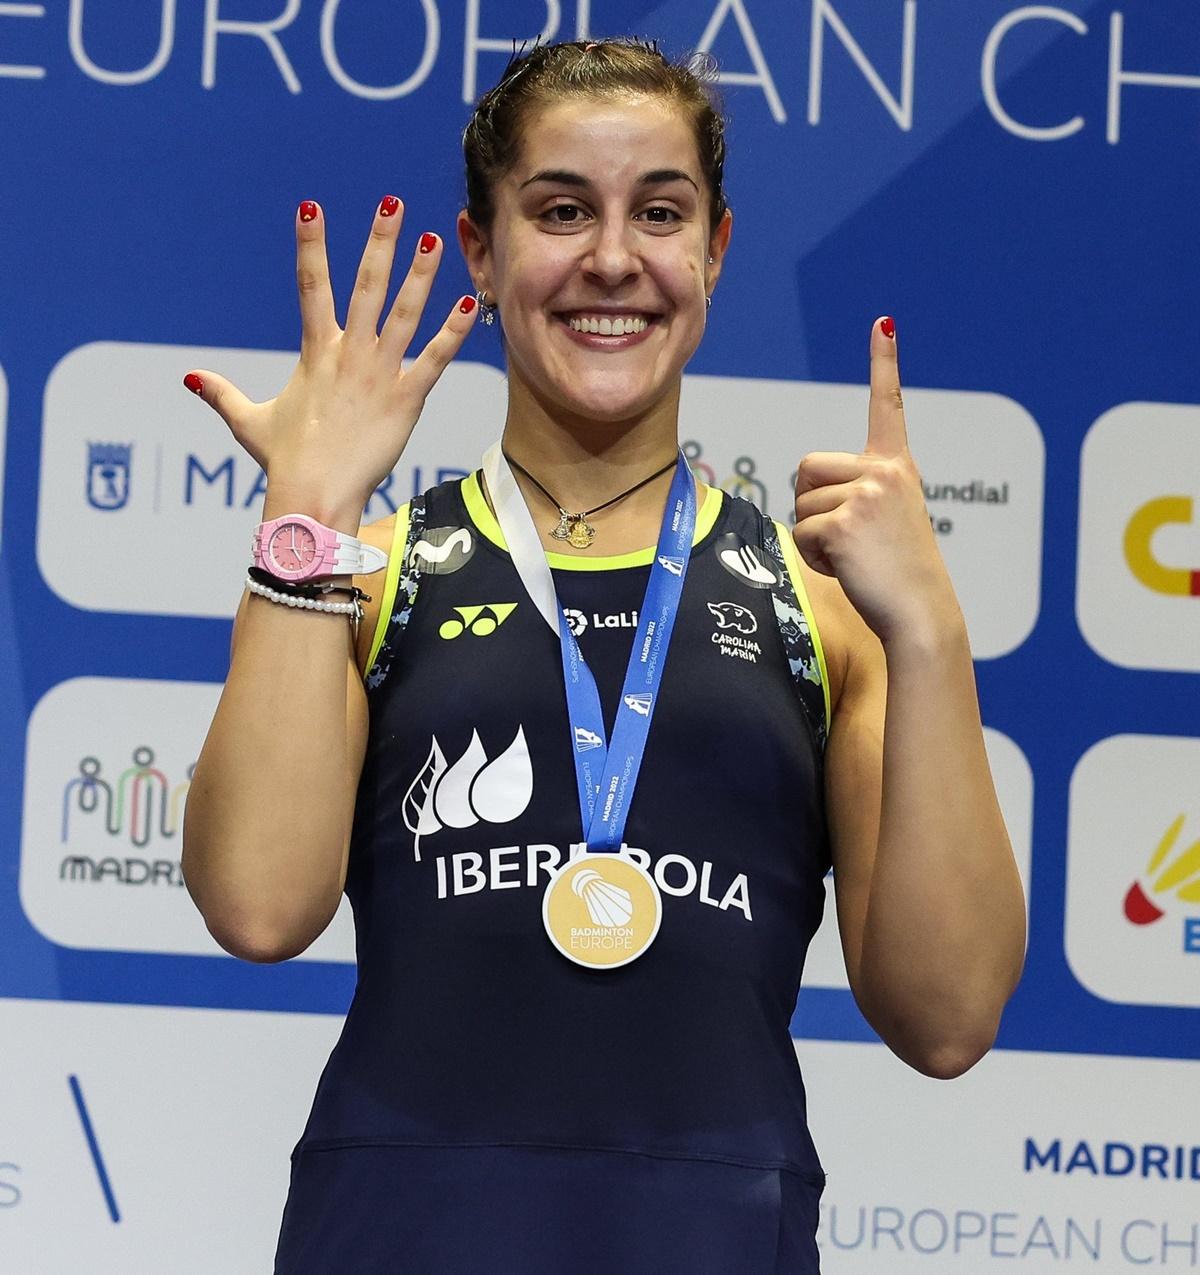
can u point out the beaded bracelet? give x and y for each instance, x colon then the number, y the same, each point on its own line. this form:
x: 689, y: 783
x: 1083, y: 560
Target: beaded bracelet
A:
x: 306, y: 604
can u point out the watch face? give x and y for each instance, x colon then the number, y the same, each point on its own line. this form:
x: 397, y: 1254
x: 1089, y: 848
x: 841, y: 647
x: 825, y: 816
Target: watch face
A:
x: 292, y: 549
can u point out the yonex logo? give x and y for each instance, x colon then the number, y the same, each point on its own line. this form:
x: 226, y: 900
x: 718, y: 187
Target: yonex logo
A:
x: 640, y: 703
x: 481, y: 621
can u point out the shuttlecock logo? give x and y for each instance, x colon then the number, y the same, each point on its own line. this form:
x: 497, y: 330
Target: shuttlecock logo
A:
x: 1165, y: 877
x: 607, y: 904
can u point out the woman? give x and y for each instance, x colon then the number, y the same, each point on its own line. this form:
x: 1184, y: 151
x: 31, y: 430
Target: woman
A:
x: 556, y: 1063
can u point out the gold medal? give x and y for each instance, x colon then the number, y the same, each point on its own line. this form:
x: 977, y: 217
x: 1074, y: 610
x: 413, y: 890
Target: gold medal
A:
x: 602, y: 910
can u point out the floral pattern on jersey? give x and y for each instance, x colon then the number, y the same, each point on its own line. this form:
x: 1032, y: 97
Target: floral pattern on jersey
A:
x: 406, y: 595
x: 797, y: 638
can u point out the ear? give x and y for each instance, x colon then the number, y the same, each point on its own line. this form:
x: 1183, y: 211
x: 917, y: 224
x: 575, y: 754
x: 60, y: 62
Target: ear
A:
x: 718, y: 245
x: 475, y: 251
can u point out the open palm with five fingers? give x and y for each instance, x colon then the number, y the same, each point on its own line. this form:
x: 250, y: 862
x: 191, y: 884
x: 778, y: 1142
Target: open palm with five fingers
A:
x: 340, y: 424
x: 862, y: 517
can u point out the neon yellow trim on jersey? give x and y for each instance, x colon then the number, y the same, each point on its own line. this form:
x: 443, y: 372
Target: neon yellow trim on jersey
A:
x: 390, y: 581
x: 791, y: 556
x: 485, y: 521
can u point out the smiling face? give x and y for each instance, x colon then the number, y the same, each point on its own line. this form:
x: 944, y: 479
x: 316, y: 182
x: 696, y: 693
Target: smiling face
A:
x: 598, y: 257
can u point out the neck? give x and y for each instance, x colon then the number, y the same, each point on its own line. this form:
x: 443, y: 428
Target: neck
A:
x: 584, y: 463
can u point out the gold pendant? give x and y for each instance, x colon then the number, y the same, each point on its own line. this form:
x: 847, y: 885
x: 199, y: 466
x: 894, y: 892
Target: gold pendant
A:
x: 602, y: 910
x: 581, y: 533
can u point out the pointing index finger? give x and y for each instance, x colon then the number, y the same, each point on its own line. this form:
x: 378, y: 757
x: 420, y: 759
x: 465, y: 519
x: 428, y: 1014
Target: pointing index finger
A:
x: 886, y: 433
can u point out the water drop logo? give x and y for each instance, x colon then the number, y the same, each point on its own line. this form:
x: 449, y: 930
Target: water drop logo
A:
x: 1165, y: 879
x: 472, y: 790
x: 608, y: 905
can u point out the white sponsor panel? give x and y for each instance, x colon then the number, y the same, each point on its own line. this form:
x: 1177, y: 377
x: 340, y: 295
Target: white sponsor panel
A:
x: 148, y: 479
x: 1013, y: 777
x: 148, y: 504
x: 1133, y: 870
x: 108, y: 767
x: 193, y: 1112
x: 982, y: 460
x: 1138, y: 590
x: 1035, y: 1163
x: 1030, y: 1162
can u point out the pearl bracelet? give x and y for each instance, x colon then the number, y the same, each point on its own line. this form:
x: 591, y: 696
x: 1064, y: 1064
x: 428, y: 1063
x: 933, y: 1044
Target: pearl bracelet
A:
x: 306, y: 604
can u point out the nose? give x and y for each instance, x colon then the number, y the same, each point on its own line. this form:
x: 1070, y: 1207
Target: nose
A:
x: 613, y: 256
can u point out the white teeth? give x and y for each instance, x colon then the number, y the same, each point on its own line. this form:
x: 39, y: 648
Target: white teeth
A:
x: 605, y: 325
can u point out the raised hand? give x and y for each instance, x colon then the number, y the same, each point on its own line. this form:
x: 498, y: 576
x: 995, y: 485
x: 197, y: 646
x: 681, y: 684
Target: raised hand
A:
x: 862, y: 517
x: 339, y: 425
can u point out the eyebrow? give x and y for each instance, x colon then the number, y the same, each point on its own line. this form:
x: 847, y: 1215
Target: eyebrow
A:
x: 564, y: 177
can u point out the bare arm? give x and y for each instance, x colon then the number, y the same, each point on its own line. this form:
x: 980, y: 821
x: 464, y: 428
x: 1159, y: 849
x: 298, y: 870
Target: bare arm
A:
x: 267, y: 826
x: 930, y: 906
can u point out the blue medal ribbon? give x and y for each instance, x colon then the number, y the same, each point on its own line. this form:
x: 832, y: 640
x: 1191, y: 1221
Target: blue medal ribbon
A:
x: 606, y: 774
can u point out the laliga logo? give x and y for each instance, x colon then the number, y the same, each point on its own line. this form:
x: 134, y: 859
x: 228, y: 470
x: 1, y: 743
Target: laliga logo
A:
x: 1180, y: 877
x: 1139, y: 553
x: 472, y: 790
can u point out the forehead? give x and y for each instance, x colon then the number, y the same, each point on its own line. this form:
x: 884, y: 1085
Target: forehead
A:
x: 608, y: 139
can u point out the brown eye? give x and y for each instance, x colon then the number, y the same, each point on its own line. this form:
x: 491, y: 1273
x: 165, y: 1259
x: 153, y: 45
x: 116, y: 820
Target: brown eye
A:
x: 564, y: 215
x: 660, y: 216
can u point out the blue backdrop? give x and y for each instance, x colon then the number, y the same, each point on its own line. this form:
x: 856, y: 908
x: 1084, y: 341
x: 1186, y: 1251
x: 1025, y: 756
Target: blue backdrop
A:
x: 1050, y: 269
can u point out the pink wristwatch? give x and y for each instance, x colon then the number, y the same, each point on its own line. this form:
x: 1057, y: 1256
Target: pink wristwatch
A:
x: 296, y: 547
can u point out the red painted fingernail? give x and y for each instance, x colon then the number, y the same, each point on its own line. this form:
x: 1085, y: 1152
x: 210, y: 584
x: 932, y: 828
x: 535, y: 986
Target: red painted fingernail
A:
x: 466, y: 305
x: 194, y: 383
x: 428, y: 242
x: 888, y: 327
x: 388, y: 205
x: 308, y: 211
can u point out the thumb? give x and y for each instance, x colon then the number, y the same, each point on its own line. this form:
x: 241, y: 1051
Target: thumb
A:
x: 886, y: 431
x: 229, y: 403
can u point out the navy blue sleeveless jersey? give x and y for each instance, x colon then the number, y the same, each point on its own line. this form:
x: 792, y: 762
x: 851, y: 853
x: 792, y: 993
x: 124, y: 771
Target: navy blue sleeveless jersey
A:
x: 491, y: 1106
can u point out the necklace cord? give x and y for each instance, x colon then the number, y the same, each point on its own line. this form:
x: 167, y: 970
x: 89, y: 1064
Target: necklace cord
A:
x: 658, y: 473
